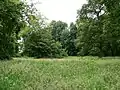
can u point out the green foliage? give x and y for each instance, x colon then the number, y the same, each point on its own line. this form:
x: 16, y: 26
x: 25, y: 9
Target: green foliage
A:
x: 40, y: 44
x: 66, y: 37
x: 57, y: 27
x: 95, y: 33
x: 57, y: 51
x: 71, y: 47
x: 10, y: 24
x: 72, y: 73
x: 98, y: 29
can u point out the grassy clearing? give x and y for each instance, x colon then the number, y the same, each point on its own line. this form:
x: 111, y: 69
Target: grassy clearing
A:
x: 71, y: 73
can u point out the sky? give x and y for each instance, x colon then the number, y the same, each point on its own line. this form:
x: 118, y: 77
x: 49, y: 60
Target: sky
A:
x: 64, y: 10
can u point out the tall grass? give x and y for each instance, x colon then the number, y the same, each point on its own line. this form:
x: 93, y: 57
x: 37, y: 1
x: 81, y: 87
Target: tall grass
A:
x: 73, y: 73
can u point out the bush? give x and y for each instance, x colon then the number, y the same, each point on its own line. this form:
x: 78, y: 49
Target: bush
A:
x: 40, y: 44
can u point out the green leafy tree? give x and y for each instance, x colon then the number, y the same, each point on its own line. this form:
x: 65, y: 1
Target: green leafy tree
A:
x: 38, y: 41
x: 71, y: 40
x: 57, y: 27
x: 98, y: 28
x: 10, y: 23
x: 40, y: 44
x: 90, y: 28
x: 112, y: 26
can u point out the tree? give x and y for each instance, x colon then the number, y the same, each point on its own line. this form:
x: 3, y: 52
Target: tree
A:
x: 112, y: 26
x: 90, y: 28
x: 71, y: 40
x: 98, y: 28
x: 10, y: 23
x: 57, y: 28
x: 38, y: 41
x: 40, y: 44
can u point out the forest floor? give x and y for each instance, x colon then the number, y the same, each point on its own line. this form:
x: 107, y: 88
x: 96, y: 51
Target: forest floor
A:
x: 70, y: 73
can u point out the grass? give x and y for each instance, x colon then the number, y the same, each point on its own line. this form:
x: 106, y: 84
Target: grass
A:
x: 71, y: 73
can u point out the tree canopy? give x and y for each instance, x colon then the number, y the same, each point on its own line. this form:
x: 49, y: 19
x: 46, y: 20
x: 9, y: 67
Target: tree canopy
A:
x: 24, y: 31
x: 11, y: 15
x: 98, y: 29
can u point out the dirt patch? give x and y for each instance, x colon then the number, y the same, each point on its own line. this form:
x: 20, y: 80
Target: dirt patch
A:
x: 45, y: 59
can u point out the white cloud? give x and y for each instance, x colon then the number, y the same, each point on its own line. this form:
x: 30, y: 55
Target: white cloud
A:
x: 65, y: 10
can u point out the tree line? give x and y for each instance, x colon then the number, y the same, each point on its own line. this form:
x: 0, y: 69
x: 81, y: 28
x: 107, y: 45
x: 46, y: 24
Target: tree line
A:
x: 24, y: 31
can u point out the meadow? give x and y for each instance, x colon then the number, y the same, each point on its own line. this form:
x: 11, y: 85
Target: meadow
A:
x: 71, y: 73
